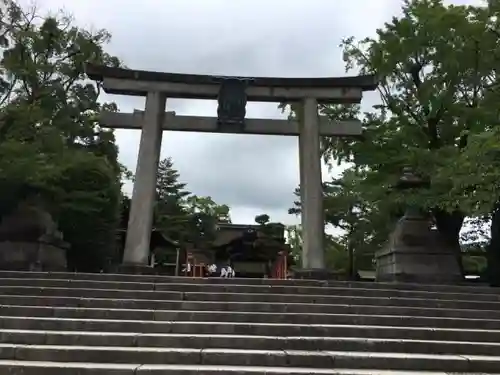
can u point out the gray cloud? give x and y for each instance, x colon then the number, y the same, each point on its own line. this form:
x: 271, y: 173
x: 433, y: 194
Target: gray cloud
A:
x: 253, y: 174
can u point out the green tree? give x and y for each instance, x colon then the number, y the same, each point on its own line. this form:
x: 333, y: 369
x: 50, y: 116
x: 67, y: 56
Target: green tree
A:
x: 205, y: 214
x: 293, y: 234
x: 50, y: 141
x: 336, y: 251
x: 262, y: 219
x: 337, y: 254
x: 436, y: 70
x: 182, y: 216
x: 171, y: 215
x: 168, y: 186
x: 363, y: 227
x: 88, y: 211
x: 207, y: 206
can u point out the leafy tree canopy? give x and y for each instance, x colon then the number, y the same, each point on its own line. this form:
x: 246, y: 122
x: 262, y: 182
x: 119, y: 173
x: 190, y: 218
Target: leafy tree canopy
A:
x: 436, y: 74
x: 262, y: 219
x: 50, y: 141
x: 438, y: 111
x: 183, y: 216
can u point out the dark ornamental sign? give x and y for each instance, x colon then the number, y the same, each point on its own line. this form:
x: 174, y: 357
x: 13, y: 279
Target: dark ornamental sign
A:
x: 232, y: 102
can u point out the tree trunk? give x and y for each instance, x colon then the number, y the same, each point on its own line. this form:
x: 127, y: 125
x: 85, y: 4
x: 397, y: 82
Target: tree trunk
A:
x: 449, y: 225
x: 493, y: 249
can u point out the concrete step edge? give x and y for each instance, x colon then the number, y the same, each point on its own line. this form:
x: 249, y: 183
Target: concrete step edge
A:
x: 215, y: 356
x: 133, y: 337
x: 276, y: 329
x: 228, y: 316
x: 257, y: 289
x: 419, y: 356
x: 212, y: 305
x: 209, y: 323
x: 168, y: 279
x: 258, y: 296
x: 134, y: 369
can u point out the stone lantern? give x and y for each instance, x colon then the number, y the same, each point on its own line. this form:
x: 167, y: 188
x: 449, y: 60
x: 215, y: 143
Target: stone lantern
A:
x: 415, y: 252
x: 410, y: 180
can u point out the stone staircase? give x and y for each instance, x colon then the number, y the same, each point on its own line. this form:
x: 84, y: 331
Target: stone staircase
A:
x: 103, y: 324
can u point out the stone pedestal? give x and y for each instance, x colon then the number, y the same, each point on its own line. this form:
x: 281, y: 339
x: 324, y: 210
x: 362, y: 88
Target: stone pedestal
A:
x: 317, y: 274
x: 135, y: 269
x: 32, y: 256
x: 416, y: 253
x: 29, y: 240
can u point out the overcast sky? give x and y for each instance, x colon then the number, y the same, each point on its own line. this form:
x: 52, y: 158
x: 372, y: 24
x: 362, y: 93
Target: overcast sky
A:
x: 292, y: 38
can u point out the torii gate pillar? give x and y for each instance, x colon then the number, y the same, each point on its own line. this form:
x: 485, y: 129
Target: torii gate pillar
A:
x: 311, y: 190
x: 137, y: 243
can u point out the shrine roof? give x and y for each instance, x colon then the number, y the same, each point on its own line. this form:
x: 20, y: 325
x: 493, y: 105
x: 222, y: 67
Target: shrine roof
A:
x: 99, y: 72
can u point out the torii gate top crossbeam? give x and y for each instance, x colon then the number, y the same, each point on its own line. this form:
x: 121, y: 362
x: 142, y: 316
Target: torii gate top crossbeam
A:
x: 267, y: 89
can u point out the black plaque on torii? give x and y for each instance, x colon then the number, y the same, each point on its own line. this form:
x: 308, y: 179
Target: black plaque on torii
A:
x: 232, y: 102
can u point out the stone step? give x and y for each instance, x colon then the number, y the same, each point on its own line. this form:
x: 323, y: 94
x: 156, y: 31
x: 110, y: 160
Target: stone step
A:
x: 67, y: 338
x: 238, y: 357
x: 254, y: 297
x: 246, y: 317
x: 60, y: 368
x: 295, y: 308
x: 258, y: 329
x: 60, y: 323
x: 465, y: 288
x: 249, y: 289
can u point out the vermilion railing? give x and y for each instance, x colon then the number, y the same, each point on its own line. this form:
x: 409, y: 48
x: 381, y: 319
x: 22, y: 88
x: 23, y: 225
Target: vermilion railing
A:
x: 280, y: 266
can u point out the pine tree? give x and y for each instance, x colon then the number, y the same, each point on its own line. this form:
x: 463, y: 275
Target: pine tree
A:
x: 171, y: 216
x: 182, y: 216
x: 167, y: 182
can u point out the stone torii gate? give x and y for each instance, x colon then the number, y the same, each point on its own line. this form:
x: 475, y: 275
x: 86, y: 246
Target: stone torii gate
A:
x: 232, y: 94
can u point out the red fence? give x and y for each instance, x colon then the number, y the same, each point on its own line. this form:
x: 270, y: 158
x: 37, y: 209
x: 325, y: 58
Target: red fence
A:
x: 280, y: 266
